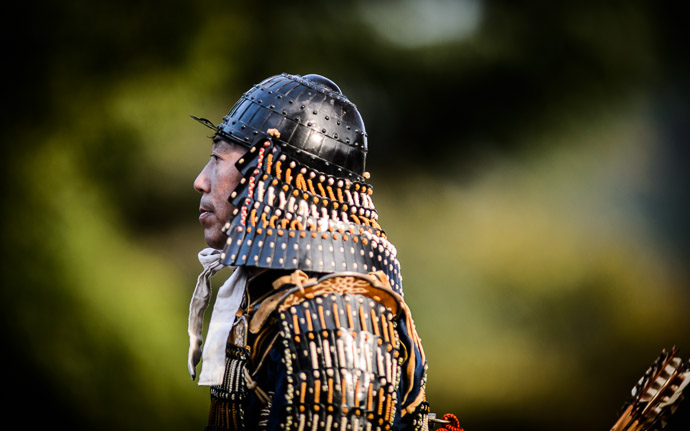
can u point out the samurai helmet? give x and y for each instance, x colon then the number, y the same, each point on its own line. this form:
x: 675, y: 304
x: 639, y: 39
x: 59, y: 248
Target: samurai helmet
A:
x: 303, y: 202
x: 316, y: 124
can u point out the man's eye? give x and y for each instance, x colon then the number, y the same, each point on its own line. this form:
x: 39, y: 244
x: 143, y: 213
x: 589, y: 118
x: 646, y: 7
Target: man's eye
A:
x: 215, y: 157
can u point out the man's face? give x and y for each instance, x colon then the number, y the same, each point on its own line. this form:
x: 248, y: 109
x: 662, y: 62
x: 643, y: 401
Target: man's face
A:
x: 215, y: 182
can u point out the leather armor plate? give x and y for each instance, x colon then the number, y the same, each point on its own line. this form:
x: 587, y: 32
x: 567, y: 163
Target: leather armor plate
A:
x: 348, y: 345
x: 343, y: 363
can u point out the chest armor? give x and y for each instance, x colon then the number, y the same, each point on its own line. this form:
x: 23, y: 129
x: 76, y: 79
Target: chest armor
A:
x: 346, y: 366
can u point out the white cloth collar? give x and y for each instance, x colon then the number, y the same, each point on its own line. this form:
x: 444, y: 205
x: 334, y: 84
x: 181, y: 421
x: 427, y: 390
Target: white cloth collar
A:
x: 227, y: 303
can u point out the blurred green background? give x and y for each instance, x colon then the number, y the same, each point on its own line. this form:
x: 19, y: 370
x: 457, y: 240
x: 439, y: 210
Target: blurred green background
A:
x: 529, y: 161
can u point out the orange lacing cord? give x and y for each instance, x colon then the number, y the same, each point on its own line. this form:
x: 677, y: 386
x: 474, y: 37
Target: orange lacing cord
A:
x: 454, y: 424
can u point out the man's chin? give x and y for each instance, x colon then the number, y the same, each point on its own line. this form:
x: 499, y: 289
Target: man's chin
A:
x: 215, y: 239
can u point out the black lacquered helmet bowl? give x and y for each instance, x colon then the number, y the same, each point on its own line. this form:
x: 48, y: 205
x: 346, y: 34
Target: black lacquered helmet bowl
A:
x: 317, y: 125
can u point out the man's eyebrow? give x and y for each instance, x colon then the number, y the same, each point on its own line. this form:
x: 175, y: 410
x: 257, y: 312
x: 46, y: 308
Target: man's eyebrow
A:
x: 218, y: 140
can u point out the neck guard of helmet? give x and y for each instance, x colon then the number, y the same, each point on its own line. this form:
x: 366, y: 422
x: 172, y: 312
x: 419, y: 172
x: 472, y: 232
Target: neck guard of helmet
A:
x: 291, y: 216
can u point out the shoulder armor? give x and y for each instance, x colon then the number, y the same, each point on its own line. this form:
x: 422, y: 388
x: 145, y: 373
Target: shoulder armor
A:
x: 345, y: 350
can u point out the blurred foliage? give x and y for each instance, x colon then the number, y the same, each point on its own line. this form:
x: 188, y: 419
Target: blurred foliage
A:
x: 529, y: 164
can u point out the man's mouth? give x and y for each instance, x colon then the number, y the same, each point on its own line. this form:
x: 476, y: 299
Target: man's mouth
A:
x: 204, y: 213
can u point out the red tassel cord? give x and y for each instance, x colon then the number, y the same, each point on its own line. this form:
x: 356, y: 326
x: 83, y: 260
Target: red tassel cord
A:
x: 454, y: 424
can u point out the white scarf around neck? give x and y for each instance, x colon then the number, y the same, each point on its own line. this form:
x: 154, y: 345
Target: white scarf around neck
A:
x: 227, y: 303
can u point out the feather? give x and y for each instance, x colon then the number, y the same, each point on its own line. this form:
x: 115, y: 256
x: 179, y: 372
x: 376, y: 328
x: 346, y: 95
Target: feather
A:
x: 656, y: 395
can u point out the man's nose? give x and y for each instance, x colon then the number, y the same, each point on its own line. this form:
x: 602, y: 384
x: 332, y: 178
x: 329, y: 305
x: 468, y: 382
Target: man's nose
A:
x: 202, y: 183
